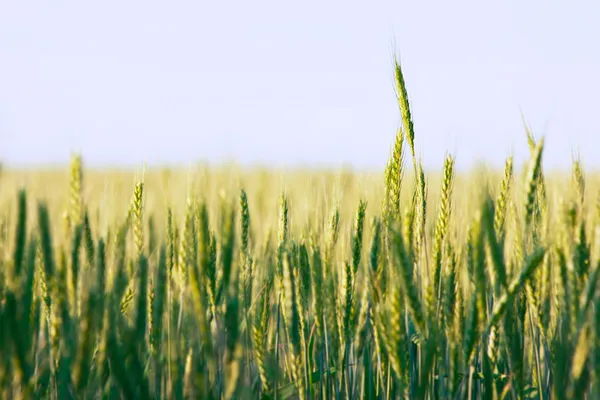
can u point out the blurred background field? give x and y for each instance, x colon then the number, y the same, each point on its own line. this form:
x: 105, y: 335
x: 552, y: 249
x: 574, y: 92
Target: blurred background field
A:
x: 312, y: 193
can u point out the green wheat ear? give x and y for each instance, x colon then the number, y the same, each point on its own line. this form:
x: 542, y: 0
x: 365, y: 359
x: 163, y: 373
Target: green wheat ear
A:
x: 393, y: 179
x: 420, y: 211
x: 244, y: 223
x: 333, y: 235
x: 441, y: 227
x: 407, y: 123
x: 246, y: 261
x: 357, y: 236
x: 137, y: 216
x: 502, y: 199
x: 531, y: 182
x: 282, y: 238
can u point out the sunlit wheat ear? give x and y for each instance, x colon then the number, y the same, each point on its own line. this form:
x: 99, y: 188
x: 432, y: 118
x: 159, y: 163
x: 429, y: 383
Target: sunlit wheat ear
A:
x: 528, y: 131
x: 375, y: 251
x: 421, y: 210
x: 332, y: 236
x: 135, y: 219
x: 244, y: 223
x: 259, y: 330
x: 357, y: 235
x: 348, y: 293
x: 531, y: 182
x: 282, y: 234
x: 259, y: 354
x: 393, y: 178
x: 441, y: 227
x: 402, y: 93
x: 502, y: 199
x: 246, y: 273
x: 137, y: 216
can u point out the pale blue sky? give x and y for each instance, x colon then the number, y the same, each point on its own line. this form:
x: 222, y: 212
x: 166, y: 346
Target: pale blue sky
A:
x: 283, y: 83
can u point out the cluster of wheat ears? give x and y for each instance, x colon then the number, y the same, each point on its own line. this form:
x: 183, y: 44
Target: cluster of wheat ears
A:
x: 389, y: 302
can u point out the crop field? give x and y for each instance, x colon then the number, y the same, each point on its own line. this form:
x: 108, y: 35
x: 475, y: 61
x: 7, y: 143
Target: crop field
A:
x: 232, y: 283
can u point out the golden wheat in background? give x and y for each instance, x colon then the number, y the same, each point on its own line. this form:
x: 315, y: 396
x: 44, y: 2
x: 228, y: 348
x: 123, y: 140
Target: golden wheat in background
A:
x: 227, y: 283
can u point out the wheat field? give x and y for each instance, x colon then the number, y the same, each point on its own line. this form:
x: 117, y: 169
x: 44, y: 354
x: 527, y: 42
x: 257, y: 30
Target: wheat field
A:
x: 232, y: 283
